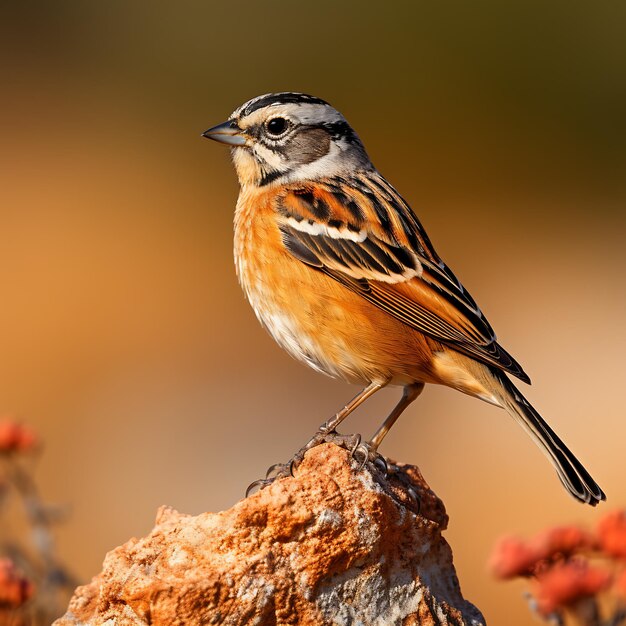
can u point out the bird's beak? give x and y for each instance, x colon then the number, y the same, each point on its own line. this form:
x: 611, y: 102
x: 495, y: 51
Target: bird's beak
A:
x: 228, y: 133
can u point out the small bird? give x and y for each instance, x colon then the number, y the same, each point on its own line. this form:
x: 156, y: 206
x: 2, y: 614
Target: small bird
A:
x: 340, y: 271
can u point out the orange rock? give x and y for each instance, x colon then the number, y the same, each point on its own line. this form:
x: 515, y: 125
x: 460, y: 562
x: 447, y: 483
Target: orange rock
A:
x: 337, y: 544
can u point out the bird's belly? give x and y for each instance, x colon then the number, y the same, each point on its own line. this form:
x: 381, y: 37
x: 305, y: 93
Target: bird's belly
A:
x: 334, y: 331
x: 301, y: 328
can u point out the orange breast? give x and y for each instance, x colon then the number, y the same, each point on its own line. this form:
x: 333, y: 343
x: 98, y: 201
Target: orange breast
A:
x: 315, y: 318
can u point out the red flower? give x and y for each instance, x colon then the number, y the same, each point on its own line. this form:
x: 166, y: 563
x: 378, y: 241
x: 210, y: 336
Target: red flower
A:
x: 612, y: 534
x: 9, y: 434
x: 566, y: 582
x: 561, y: 541
x: 28, y: 439
x: 14, y: 588
x: 512, y: 557
x: 16, y: 436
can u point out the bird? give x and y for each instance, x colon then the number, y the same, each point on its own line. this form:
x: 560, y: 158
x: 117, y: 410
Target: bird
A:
x: 340, y: 271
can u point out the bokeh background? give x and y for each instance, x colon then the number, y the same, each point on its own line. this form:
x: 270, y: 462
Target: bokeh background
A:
x: 124, y: 337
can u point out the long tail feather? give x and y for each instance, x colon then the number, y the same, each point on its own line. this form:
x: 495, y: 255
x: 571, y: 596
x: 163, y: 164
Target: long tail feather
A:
x: 575, y: 478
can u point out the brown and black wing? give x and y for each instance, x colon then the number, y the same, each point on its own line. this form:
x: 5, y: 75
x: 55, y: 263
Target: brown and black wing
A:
x: 362, y: 234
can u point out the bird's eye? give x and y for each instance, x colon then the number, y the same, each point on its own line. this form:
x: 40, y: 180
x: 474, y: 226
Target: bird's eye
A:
x: 276, y: 126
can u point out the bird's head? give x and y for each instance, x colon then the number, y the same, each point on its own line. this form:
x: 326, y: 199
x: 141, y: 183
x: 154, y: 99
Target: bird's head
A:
x: 286, y: 137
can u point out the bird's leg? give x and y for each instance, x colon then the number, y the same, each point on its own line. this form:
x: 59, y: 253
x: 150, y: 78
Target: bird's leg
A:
x: 330, y: 425
x: 325, y: 434
x: 410, y: 393
x: 327, y: 431
x: 369, y: 450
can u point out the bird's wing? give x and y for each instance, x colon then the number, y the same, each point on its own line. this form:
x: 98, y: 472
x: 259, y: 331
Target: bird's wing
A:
x: 364, y: 235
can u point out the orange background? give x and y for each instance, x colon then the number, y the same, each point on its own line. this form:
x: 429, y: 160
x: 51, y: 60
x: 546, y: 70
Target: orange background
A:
x: 124, y: 337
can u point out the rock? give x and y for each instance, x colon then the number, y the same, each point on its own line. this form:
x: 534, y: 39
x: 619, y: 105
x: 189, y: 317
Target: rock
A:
x: 337, y: 544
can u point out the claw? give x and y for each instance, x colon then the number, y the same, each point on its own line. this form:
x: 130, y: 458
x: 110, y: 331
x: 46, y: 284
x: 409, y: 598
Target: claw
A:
x: 274, y: 469
x: 414, y: 497
x: 278, y: 470
x: 315, y: 440
x: 261, y: 483
x: 292, y: 467
x: 364, y: 450
x: 381, y: 464
x: 357, y: 443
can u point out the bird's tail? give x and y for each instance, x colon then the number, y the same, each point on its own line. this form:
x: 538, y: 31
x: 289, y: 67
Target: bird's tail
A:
x: 575, y: 478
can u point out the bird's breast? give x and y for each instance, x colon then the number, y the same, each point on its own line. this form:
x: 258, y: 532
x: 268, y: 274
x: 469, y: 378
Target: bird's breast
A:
x: 310, y: 315
x: 278, y: 286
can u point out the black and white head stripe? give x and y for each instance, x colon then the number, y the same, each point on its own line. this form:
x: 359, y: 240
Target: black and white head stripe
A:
x: 314, y: 139
x: 301, y: 109
x: 270, y: 99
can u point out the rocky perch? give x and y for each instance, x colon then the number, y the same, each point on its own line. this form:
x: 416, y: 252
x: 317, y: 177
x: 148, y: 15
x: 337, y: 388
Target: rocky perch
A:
x: 336, y: 544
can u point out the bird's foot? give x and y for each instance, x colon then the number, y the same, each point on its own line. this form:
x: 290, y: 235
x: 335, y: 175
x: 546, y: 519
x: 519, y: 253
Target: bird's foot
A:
x: 352, y: 443
x: 395, y: 474
x: 366, y: 454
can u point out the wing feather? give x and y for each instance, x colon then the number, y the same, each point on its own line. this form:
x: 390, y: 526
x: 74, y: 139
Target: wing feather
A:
x: 364, y: 235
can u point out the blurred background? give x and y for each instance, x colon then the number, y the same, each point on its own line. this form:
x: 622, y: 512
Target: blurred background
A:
x: 124, y: 337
